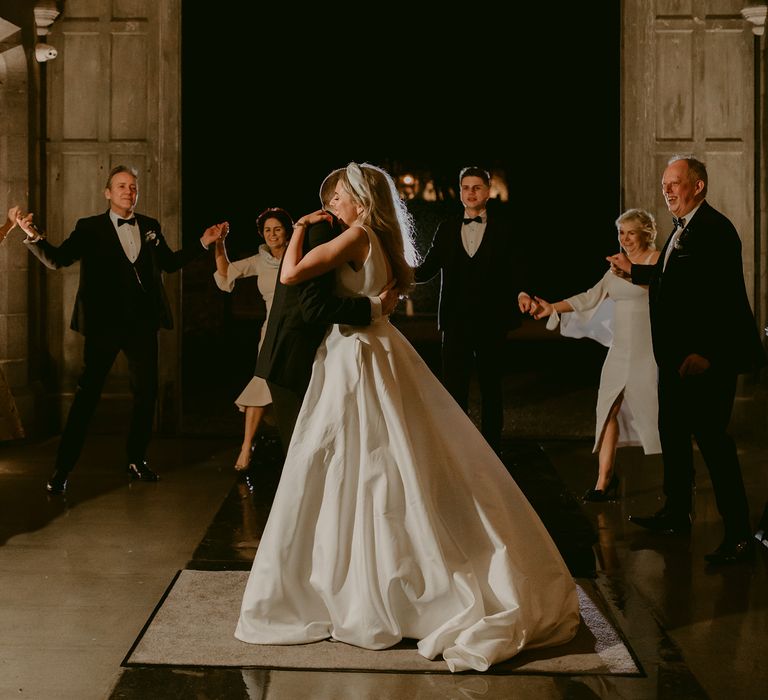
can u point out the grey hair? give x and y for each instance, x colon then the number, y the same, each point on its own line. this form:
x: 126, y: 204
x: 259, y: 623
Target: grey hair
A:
x: 120, y: 169
x: 697, y: 170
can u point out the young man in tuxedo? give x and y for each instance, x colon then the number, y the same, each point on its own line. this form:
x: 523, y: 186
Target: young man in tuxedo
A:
x: 120, y: 306
x: 473, y: 254
x: 298, y: 321
x: 704, y: 335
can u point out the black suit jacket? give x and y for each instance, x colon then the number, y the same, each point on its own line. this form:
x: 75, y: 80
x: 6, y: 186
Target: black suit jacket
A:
x: 113, y: 291
x: 699, y: 304
x: 299, y: 318
x: 489, y: 304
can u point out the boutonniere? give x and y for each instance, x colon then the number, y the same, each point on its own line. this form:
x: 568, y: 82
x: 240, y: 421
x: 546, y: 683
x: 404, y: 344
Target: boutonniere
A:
x: 151, y: 236
x: 682, y: 240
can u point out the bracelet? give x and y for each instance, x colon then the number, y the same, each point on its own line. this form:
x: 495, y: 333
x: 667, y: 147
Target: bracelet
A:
x: 298, y: 224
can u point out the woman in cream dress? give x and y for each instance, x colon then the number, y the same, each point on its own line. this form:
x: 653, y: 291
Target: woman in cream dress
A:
x: 615, y: 313
x: 274, y: 226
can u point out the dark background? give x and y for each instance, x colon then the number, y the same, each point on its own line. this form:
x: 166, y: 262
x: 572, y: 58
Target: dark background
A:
x: 275, y: 97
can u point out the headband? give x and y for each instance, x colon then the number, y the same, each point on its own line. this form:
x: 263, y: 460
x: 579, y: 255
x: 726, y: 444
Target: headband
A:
x: 357, y: 181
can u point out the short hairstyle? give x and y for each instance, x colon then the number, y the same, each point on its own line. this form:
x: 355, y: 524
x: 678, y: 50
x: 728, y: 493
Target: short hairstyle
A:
x: 647, y: 225
x: 120, y: 169
x: 275, y: 213
x: 328, y: 186
x: 697, y: 170
x: 475, y: 171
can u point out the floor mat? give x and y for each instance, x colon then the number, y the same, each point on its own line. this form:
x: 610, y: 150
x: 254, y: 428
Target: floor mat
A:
x: 194, y: 624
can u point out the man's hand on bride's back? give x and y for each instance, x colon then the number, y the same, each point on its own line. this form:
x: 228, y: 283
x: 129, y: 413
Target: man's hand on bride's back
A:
x: 389, y: 298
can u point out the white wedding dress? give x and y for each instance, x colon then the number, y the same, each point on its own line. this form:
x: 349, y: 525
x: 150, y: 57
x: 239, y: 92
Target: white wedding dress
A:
x: 394, y: 518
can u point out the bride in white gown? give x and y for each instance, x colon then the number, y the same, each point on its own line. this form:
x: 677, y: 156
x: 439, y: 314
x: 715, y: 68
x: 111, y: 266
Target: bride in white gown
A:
x: 393, y: 517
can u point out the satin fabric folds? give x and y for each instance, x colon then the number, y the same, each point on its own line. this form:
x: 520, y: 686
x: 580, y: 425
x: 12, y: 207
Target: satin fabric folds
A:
x: 394, y: 519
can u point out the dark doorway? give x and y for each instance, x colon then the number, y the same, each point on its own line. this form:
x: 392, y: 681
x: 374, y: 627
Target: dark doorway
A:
x: 272, y: 102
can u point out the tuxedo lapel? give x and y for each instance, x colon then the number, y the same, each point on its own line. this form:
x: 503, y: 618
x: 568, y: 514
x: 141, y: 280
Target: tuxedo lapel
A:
x: 111, y: 238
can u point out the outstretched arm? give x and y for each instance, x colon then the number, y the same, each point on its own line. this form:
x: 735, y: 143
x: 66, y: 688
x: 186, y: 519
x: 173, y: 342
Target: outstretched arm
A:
x: 623, y: 267
x: 173, y: 260
x: 542, y: 308
x: 227, y: 272
x: 220, y: 252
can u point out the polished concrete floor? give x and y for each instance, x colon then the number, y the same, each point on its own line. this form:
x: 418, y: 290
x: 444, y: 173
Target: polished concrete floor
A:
x: 80, y: 576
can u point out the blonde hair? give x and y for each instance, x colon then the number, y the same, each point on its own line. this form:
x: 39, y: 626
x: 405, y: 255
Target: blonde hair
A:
x: 647, y: 225
x: 385, y: 212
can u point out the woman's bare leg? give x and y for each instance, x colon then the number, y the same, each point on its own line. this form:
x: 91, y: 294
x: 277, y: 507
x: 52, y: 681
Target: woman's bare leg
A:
x: 253, y: 416
x: 606, y: 456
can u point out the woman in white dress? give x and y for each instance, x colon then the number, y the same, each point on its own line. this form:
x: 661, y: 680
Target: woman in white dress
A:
x: 615, y: 313
x: 274, y: 226
x: 393, y: 517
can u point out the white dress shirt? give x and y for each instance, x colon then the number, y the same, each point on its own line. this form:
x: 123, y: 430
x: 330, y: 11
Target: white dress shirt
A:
x: 129, y: 236
x: 472, y: 234
x: 676, y: 234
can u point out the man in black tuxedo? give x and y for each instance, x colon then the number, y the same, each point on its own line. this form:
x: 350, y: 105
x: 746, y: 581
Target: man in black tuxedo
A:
x: 120, y: 306
x: 473, y: 254
x: 299, y: 319
x: 704, y: 336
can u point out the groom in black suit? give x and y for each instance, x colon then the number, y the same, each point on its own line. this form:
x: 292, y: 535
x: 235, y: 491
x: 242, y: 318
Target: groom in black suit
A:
x: 473, y: 254
x: 704, y: 336
x: 299, y: 319
x: 120, y: 305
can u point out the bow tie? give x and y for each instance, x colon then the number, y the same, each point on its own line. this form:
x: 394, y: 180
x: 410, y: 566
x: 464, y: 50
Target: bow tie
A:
x: 130, y: 221
x: 479, y: 220
x: 679, y: 223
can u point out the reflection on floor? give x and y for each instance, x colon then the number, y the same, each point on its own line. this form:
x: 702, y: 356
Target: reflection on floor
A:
x: 81, y: 576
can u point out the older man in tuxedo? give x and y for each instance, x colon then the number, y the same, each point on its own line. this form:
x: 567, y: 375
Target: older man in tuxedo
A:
x: 120, y: 306
x: 704, y: 335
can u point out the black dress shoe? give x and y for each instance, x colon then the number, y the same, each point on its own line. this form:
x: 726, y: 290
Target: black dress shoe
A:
x: 663, y: 522
x: 140, y: 471
x: 732, y: 552
x: 57, y: 484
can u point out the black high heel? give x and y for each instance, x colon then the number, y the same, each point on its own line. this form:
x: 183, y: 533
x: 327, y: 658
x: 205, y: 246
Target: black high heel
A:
x: 600, y: 496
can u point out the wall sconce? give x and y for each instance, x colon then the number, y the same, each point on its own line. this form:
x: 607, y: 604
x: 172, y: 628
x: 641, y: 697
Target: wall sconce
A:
x: 45, y: 15
x: 756, y: 14
x: 45, y: 52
